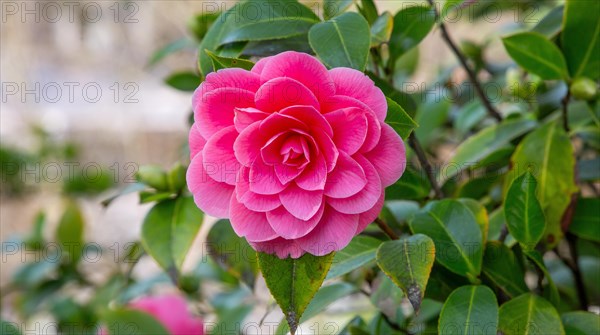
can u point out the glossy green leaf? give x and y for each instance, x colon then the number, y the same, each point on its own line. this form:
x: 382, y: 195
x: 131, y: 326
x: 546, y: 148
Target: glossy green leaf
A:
x: 408, y: 263
x: 551, y: 24
x: 456, y: 233
x: 469, y: 116
x: 550, y: 290
x: 412, y: 185
x: 169, y: 230
x: 258, y: 20
x: 469, y: 310
x: 180, y: 44
x: 536, y: 54
x: 69, y: 233
x: 359, y: 252
x: 184, y: 81
x: 198, y: 25
x: 431, y: 115
x: 501, y: 268
x: 220, y: 62
x: 529, y: 314
x: 480, y: 213
x: 581, y: 323
x: 549, y: 154
x: 232, y: 252
x: 333, y: 8
x: 381, y: 31
x: 396, y: 117
x: 294, y: 282
x: 368, y: 9
x: 581, y: 38
x: 402, y: 210
x: 344, y: 41
x: 483, y: 144
x: 411, y: 25
x: 323, y: 298
x: 134, y: 322
x: 523, y: 213
x: 586, y: 221
x: 267, y: 48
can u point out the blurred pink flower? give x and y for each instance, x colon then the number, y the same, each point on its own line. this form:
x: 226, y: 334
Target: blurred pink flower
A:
x: 296, y: 156
x: 172, y: 312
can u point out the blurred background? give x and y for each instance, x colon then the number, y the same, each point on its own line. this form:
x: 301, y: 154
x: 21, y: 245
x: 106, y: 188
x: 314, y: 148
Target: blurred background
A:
x: 84, y: 98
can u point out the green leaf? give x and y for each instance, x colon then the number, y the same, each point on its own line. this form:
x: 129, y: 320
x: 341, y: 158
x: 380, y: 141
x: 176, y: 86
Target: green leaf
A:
x: 549, y: 154
x: 431, y: 115
x: 581, y: 323
x: 523, y: 213
x: 213, y: 38
x: 456, y: 233
x: 551, y: 24
x: 266, y: 20
x: 449, y: 7
x: 184, y: 81
x: 169, y: 230
x: 232, y: 252
x: 396, y: 117
x: 480, y: 213
x: 408, y: 263
x: 323, y: 298
x: 469, y: 116
x: 134, y: 322
x: 401, y: 98
x: 501, y: 268
x: 479, y: 146
x: 469, y: 310
x: 551, y: 291
x: 359, y: 252
x: 412, y: 185
x: 220, y: 62
x: 273, y: 47
x: 402, y: 210
x: 198, y: 25
x: 381, y: 31
x: 411, y: 25
x: 333, y: 8
x: 529, y: 314
x: 294, y: 282
x: 536, y: 54
x: 586, y: 221
x: 368, y: 10
x: 581, y: 38
x: 69, y: 233
x: 342, y: 41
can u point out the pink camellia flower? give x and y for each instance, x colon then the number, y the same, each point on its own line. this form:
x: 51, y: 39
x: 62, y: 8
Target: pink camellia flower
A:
x: 296, y: 156
x: 172, y: 312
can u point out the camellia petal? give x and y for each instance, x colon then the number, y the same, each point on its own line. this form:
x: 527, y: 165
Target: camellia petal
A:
x: 353, y: 83
x: 334, y: 232
x: 279, y: 93
x: 289, y: 226
x: 250, y: 224
x: 211, y: 196
x: 350, y: 128
x: 389, y: 156
x: 301, y: 203
x: 364, y: 200
x: 219, y: 159
x: 347, y: 179
x: 215, y: 110
x: 196, y: 142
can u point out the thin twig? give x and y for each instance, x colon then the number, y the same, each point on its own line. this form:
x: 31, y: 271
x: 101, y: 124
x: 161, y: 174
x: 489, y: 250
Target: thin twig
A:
x: 565, y: 109
x: 503, y: 234
x: 416, y: 145
x: 574, y: 265
x: 386, y: 229
x: 470, y: 72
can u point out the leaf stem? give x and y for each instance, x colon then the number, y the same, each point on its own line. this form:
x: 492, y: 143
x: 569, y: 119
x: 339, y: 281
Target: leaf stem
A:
x: 565, y: 109
x: 386, y: 229
x: 470, y: 72
x: 416, y: 145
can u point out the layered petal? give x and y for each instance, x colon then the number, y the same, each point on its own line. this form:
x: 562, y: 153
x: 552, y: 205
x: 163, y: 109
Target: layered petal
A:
x: 366, y: 218
x: 244, y: 117
x: 356, y: 84
x: 303, y: 68
x: 249, y: 224
x: 212, y: 197
x: 231, y: 78
x: 263, y: 179
x: 279, y: 93
x: 301, y: 203
x: 248, y: 144
x: 310, y: 117
x: 349, y: 128
x: 254, y: 201
x: 334, y: 232
x: 196, y: 141
x: 365, y: 199
x: 219, y: 159
x: 347, y: 179
x: 281, y: 247
x: 215, y: 110
x: 389, y: 156
x: 290, y: 227
x: 314, y: 175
